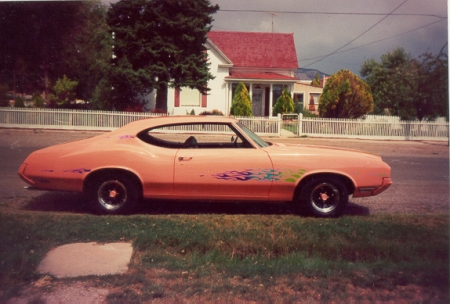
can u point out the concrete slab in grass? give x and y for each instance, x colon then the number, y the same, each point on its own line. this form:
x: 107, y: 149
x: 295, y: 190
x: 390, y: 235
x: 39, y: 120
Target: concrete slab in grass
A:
x: 83, y: 259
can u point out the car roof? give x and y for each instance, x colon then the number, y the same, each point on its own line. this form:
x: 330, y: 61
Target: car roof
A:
x: 162, y: 120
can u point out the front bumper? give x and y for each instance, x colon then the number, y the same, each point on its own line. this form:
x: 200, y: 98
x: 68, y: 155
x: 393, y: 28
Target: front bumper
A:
x: 375, y: 190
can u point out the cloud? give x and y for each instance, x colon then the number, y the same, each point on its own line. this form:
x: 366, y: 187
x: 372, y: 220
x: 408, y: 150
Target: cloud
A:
x: 321, y: 34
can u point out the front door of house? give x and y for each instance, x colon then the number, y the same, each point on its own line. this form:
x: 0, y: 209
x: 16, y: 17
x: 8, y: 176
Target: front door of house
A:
x: 257, y: 108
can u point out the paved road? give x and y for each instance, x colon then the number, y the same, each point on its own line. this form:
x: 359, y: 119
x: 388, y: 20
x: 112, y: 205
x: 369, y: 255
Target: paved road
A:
x: 420, y: 171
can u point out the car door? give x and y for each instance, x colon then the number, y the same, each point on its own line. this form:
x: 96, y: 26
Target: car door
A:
x: 228, y: 173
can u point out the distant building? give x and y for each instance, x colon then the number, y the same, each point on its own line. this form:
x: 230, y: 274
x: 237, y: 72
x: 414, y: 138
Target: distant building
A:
x: 307, y: 95
x: 264, y: 62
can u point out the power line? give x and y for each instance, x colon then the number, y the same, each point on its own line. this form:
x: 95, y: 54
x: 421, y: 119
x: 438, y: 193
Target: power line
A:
x: 373, y: 42
x: 330, y: 13
x: 334, y: 52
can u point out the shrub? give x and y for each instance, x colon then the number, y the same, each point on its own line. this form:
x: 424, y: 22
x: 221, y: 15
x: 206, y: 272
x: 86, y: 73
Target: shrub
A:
x: 284, y: 104
x: 161, y: 111
x: 241, y: 105
x: 19, y: 102
x: 345, y: 96
x: 64, y: 90
x: 213, y: 112
x: 38, y: 101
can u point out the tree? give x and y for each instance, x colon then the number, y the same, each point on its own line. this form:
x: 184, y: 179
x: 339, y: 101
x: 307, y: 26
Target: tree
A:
x: 18, y: 103
x: 64, y: 91
x: 4, y: 99
x: 393, y: 82
x: 45, y: 40
x: 241, y: 105
x: 88, y: 49
x: 38, y: 101
x: 345, y: 95
x: 284, y: 103
x: 432, y: 89
x: 159, y: 44
x: 316, y: 81
x: 34, y: 34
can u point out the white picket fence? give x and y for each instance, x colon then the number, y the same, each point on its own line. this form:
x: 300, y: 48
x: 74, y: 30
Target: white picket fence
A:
x: 373, y: 127
x: 67, y: 119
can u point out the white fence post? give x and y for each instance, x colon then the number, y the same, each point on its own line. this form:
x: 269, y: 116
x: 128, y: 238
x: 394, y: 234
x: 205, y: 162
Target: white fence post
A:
x: 373, y: 127
x: 300, y: 124
x: 280, y: 121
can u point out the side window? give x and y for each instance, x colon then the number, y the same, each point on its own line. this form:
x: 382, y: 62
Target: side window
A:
x: 194, y: 136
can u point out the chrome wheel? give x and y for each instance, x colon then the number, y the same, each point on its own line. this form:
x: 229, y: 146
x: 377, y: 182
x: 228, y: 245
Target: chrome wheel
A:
x: 325, y: 197
x: 112, y: 195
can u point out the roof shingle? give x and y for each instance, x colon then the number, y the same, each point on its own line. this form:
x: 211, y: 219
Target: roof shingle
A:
x: 257, y: 50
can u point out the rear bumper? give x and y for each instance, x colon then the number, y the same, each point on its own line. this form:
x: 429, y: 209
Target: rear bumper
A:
x: 375, y: 190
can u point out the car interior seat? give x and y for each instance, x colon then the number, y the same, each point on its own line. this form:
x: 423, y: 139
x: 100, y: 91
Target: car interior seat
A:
x: 191, y: 142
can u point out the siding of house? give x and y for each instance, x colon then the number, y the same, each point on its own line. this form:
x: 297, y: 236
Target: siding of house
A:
x: 307, y: 90
x: 263, y: 60
x: 217, y: 96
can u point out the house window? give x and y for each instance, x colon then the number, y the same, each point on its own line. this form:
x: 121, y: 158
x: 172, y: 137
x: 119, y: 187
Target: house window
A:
x: 314, y: 102
x: 276, y: 89
x: 298, y: 97
x: 190, y: 97
x: 316, y: 97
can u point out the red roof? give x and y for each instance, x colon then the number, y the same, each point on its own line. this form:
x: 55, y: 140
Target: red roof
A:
x: 268, y: 76
x: 254, y: 49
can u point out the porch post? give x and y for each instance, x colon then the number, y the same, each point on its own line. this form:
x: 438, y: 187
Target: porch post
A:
x: 271, y: 100
x: 227, y: 99
x: 250, y: 92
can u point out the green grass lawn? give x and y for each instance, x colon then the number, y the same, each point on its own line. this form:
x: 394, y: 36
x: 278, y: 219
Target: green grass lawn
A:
x: 261, y: 258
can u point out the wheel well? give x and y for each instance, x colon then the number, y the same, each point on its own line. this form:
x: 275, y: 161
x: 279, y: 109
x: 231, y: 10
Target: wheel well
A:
x: 347, y: 182
x: 89, y: 181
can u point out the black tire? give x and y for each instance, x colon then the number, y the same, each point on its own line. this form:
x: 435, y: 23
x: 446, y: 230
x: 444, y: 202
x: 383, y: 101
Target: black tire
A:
x: 325, y: 196
x: 114, y: 194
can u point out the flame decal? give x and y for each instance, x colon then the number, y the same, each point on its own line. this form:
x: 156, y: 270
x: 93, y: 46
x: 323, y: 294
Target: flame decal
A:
x: 79, y: 170
x: 290, y: 176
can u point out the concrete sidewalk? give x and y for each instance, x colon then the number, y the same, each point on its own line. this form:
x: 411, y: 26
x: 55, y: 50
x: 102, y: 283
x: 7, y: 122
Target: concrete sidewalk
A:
x: 83, y: 259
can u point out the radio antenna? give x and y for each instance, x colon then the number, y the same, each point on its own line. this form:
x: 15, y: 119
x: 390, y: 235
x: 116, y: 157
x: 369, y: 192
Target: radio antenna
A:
x: 273, y: 14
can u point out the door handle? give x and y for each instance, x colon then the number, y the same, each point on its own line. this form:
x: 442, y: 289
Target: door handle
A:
x: 184, y: 158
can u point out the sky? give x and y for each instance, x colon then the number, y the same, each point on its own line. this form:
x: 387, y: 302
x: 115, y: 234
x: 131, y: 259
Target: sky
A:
x: 331, y: 35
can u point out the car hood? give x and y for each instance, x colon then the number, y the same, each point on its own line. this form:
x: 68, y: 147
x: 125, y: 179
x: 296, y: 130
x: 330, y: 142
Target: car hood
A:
x: 301, y: 149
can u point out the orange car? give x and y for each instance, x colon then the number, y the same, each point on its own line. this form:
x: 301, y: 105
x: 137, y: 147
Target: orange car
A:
x: 204, y: 158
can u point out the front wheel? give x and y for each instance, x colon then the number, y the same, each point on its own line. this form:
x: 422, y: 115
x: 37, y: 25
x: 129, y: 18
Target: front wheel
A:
x: 114, y: 195
x: 324, y: 196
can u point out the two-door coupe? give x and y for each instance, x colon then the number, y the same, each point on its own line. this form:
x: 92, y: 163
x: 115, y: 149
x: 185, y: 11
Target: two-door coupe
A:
x: 205, y: 158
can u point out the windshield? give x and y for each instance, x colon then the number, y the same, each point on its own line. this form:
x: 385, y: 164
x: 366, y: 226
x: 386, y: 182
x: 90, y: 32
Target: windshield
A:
x: 259, y: 141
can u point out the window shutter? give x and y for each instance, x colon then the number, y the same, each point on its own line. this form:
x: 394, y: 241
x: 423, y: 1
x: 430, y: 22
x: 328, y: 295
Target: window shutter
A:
x: 177, y: 98
x: 204, y: 100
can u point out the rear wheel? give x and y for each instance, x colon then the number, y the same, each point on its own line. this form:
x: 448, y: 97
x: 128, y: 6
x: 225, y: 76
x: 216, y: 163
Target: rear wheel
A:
x: 114, y: 194
x: 324, y: 196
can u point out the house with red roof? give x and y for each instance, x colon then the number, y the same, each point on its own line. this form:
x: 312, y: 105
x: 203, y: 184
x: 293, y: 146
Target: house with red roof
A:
x: 264, y: 62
